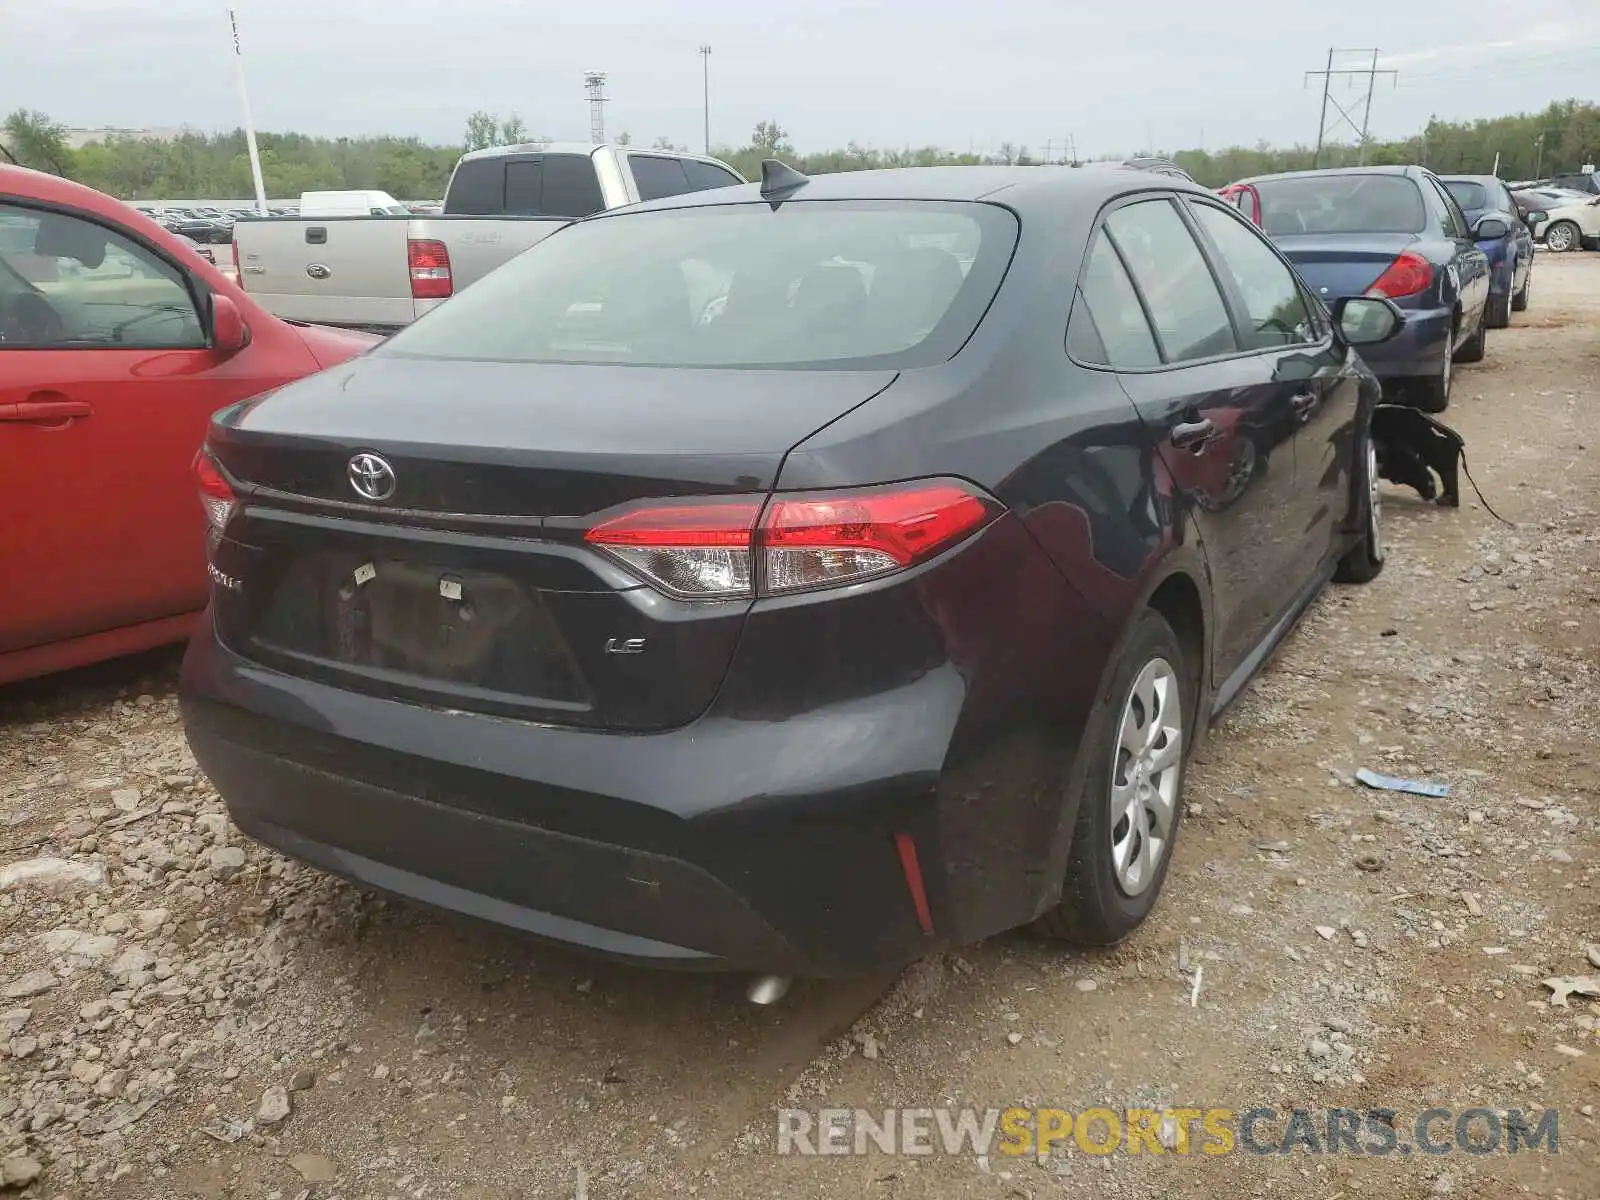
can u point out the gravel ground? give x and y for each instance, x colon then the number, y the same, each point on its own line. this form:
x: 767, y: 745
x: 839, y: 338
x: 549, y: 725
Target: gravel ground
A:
x: 185, y: 1014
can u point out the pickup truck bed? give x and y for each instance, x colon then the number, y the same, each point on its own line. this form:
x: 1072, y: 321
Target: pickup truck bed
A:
x: 383, y: 272
x: 357, y: 271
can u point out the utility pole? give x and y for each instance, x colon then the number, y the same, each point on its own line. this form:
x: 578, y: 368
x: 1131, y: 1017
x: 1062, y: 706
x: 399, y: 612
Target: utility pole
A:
x: 1072, y: 150
x: 1366, y: 113
x: 1538, y: 156
x: 1323, y: 128
x: 705, y: 78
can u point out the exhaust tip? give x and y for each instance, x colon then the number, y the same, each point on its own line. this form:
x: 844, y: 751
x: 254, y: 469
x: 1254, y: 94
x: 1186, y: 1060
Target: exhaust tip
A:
x: 768, y: 989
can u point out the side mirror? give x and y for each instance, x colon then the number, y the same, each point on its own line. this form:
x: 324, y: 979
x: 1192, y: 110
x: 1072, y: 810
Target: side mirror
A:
x: 1367, y: 320
x: 1537, y: 218
x: 1490, y: 227
x: 229, y: 333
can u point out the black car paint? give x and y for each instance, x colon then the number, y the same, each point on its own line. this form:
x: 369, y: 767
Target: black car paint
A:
x: 946, y: 702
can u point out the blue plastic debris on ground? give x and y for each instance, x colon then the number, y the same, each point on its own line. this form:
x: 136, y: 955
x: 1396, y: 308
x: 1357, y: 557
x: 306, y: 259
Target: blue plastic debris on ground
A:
x: 1393, y: 783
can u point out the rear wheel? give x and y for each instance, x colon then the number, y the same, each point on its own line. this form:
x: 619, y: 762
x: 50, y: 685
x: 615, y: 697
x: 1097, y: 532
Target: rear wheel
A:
x: 1433, y: 395
x: 1519, y: 302
x: 1133, y: 791
x: 1563, y: 236
x: 1498, y: 314
x: 1365, y: 559
x: 1472, y: 349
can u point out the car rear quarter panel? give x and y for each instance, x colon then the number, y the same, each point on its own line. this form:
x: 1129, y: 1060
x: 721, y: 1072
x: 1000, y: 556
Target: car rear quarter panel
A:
x: 1064, y: 449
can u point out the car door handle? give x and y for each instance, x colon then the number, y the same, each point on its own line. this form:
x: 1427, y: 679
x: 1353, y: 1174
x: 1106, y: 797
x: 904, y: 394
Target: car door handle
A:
x: 1303, y: 403
x: 1192, y: 435
x: 45, y: 411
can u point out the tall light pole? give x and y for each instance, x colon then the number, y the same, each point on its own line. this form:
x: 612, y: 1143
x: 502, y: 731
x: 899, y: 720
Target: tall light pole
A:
x: 705, y: 78
x: 249, y: 125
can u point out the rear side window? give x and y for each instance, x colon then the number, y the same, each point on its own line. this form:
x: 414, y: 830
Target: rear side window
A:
x: 1108, y: 325
x: 1171, y: 274
x: 825, y: 284
x: 1272, y: 299
x: 1336, y: 203
x: 478, y: 188
x: 571, y: 186
x: 705, y: 176
x: 657, y: 177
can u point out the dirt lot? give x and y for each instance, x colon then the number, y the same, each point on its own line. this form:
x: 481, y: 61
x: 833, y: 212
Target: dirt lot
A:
x: 150, y: 1019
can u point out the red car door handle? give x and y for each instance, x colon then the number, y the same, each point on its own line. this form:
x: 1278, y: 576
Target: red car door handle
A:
x: 45, y: 411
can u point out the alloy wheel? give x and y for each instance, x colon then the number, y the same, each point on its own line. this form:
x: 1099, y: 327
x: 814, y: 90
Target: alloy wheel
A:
x: 1560, y: 238
x: 1145, y: 771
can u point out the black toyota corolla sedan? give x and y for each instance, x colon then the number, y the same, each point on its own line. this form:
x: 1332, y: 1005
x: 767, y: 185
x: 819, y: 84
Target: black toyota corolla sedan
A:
x: 790, y: 578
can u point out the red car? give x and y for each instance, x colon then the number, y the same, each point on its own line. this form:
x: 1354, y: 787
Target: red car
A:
x: 117, y: 343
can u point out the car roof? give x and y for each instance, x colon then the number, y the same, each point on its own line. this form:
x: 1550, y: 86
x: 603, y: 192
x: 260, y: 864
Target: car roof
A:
x: 1017, y: 187
x: 1384, y: 170
x: 1485, y: 179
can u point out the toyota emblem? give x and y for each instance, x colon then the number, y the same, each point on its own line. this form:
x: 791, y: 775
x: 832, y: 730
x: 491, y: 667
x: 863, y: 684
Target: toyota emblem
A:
x: 371, y: 476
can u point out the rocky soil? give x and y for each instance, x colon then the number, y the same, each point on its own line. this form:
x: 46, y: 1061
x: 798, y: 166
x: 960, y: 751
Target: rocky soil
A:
x: 185, y: 1014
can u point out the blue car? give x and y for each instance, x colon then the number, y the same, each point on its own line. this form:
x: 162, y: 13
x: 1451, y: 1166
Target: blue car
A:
x: 1511, y: 256
x: 1394, y: 232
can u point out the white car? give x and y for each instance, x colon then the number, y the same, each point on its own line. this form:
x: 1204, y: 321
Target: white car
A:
x: 1570, y: 224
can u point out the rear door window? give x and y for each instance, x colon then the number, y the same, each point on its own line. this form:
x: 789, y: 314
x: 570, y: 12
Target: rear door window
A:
x: 704, y: 176
x: 1273, y: 300
x: 478, y: 188
x: 657, y: 177
x: 1173, y: 278
x: 1445, y: 207
x: 571, y: 186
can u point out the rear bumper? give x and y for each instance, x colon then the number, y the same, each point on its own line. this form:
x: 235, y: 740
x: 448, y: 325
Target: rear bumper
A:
x: 763, y: 836
x: 1418, y: 350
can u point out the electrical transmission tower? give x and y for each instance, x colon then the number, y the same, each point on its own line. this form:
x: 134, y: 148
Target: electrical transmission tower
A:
x: 1323, y: 128
x: 594, y: 82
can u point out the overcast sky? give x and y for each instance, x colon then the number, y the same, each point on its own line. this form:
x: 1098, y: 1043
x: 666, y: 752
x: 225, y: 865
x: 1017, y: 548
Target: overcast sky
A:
x: 891, y: 73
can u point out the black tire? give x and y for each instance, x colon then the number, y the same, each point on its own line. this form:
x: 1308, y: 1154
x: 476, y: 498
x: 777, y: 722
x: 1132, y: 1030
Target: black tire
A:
x: 1432, y: 395
x: 1498, y: 314
x: 1471, y: 350
x: 1364, y: 561
x: 1519, y: 302
x: 1562, y: 237
x: 1095, y: 909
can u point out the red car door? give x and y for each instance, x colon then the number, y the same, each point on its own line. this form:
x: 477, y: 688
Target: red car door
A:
x: 107, y: 380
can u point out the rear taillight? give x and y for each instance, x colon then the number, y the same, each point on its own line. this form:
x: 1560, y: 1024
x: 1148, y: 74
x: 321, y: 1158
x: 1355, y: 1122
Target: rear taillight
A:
x: 216, y: 497
x: 429, y: 262
x: 1406, y: 276
x: 720, y: 549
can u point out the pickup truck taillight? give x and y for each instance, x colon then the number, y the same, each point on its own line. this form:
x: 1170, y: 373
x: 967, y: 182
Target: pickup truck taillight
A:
x: 430, y: 269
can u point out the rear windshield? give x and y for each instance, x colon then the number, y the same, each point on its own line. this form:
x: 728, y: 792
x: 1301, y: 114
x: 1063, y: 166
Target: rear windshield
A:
x: 1467, y: 193
x: 823, y: 284
x: 1341, y: 204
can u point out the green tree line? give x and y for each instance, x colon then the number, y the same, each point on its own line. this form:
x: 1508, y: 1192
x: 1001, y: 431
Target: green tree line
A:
x: 1563, y: 136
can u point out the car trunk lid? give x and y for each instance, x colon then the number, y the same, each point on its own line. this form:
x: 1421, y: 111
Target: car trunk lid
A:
x: 1337, y: 264
x: 470, y: 586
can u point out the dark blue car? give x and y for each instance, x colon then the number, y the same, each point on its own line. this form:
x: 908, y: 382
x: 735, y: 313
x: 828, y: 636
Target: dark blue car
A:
x: 1510, y: 256
x: 1395, y: 232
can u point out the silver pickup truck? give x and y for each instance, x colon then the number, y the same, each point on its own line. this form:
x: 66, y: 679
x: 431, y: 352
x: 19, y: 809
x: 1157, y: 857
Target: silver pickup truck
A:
x: 382, y: 272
